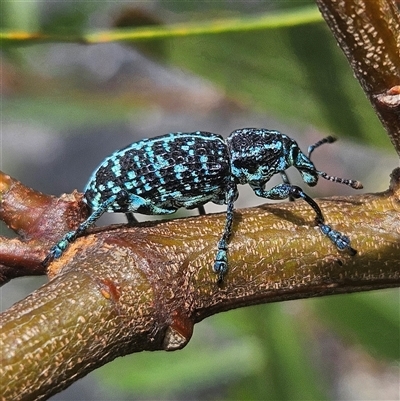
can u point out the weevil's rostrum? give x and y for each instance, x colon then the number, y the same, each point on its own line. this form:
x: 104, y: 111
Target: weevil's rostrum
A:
x: 160, y: 175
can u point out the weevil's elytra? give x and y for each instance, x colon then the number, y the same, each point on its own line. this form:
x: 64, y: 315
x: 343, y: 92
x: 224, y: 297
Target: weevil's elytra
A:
x: 162, y: 174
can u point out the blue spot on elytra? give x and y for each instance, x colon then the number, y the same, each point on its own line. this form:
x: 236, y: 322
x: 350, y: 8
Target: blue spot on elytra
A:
x: 131, y: 175
x: 180, y: 168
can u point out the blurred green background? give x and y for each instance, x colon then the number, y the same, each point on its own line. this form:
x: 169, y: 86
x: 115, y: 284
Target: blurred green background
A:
x: 65, y: 106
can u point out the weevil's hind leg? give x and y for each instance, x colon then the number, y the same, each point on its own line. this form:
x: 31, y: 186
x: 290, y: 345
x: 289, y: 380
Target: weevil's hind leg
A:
x: 201, y: 210
x: 131, y: 219
x: 283, y: 191
x: 221, y: 258
x: 57, y: 250
x: 286, y: 180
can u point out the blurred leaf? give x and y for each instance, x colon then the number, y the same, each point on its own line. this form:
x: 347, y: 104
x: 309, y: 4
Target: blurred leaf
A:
x: 67, y: 112
x: 66, y: 18
x: 242, y: 23
x: 289, y: 373
x: 133, y: 17
x: 296, y: 73
x: 369, y: 319
x: 195, y: 367
x: 20, y: 15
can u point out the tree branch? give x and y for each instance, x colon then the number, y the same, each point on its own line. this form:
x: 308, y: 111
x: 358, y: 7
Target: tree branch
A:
x: 369, y: 34
x: 126, y: 289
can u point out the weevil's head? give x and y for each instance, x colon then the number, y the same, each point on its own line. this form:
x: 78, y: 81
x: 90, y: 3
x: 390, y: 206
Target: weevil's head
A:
x: 258, y: 154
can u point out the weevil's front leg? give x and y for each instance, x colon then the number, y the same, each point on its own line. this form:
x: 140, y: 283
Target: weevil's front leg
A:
x: 57, y: 250
x: 283, y: 191
x: 221, y: 258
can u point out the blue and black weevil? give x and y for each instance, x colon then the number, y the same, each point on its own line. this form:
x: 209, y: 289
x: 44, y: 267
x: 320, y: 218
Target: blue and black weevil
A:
x: 160, y: 175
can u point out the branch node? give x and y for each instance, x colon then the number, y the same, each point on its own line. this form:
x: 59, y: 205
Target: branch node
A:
x: 391, y: 98
x: 395, y: 183
x: 178, y: 333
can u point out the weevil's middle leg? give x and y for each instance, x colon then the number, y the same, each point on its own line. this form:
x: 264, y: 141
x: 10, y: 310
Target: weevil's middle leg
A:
x: 221, y: 258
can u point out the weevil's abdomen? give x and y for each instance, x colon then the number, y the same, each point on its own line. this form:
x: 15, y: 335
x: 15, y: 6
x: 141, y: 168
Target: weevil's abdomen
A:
x: 169, y: 172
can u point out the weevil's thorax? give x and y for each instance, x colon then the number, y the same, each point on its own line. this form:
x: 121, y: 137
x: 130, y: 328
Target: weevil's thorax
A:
x: 258, y: 154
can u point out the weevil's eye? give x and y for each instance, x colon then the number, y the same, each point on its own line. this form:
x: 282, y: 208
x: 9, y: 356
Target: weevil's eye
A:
x: 310, y: 177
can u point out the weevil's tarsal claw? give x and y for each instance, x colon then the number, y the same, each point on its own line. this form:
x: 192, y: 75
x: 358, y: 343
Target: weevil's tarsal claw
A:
x: 46, y: 261
x: 57, y: 250
x: 341, y: 241
x: 55, y: 253
x: 221, y: 265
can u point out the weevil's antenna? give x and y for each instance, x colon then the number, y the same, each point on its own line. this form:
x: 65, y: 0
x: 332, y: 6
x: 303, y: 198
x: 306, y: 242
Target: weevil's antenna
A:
x: 351, y: 183
x: 328, y: 139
